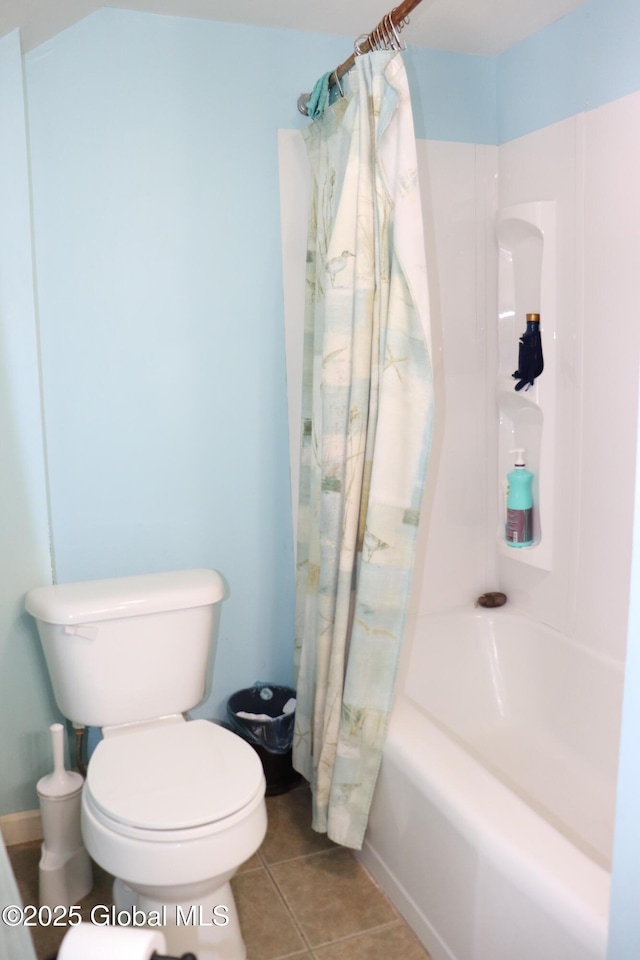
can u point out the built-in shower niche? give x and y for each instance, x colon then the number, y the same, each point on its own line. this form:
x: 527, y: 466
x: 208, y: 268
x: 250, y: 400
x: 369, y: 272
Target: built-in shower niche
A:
x: 527, y: 284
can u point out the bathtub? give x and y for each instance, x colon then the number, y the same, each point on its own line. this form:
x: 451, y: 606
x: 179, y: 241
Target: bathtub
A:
x: 492, y: 820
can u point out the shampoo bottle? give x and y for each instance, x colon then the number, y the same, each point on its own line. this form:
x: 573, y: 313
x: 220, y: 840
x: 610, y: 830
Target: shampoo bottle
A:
x: 519, y: 525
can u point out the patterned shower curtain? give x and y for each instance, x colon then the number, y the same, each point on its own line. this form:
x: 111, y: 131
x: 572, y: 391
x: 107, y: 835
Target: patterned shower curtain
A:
x: 367, y: 412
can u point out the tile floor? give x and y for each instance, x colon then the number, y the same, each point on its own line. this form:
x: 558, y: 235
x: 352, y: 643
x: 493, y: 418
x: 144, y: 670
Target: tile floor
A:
x: 299, y: 897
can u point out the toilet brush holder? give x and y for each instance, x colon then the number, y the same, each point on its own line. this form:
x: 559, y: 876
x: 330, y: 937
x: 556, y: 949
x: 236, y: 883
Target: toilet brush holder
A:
x: 65, y: 872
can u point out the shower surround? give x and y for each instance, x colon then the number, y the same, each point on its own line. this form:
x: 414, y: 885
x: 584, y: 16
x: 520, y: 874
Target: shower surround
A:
x: 558, y: 647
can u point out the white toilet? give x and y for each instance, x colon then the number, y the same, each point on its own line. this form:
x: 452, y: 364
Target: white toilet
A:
x: 170, y: 807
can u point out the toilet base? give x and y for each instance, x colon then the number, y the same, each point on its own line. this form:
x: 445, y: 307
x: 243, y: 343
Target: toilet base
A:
x: 206, y: 925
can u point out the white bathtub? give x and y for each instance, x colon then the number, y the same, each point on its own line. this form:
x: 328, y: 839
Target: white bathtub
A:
x: 492, y: 820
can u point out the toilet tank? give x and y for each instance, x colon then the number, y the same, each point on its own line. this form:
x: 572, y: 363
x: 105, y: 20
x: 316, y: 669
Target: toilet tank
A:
x: 128, y: 649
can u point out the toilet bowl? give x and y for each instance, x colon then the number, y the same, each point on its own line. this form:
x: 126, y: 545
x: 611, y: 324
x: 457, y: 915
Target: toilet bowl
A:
x: 170, y: 807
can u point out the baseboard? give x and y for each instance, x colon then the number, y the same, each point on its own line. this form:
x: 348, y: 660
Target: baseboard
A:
x: 21, y: 827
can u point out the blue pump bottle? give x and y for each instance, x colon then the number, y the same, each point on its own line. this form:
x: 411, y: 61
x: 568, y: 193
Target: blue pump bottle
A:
x: 519, y: 525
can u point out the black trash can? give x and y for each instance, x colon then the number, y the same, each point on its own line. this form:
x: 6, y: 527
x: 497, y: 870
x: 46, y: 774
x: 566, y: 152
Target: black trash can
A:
x: 264, y: 716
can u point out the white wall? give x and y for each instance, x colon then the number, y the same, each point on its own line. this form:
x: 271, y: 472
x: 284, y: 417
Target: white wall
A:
x: 587, y: 164
x: 453, y: 564
x: 611, y: 348
x: 544, y: 166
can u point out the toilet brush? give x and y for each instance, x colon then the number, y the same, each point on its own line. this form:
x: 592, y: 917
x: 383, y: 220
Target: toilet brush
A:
x: 65, y: 867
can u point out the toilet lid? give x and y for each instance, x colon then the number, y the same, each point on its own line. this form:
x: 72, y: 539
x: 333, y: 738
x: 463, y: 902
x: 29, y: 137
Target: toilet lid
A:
x: 173, y: 776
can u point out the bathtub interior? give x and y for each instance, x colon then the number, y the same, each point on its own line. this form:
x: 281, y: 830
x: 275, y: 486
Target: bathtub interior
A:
x: 538, y: 710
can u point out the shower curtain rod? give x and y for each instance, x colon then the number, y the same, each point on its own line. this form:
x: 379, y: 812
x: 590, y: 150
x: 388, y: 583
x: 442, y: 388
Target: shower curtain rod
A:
x: 383, y: 37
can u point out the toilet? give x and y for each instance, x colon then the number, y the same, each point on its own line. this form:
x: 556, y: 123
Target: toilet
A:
x: 170, y: 807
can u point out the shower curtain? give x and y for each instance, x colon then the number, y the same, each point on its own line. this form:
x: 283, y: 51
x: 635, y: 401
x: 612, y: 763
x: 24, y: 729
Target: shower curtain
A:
x: 367, y: 412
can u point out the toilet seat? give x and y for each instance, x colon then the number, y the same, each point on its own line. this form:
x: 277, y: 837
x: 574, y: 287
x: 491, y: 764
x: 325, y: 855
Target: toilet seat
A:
x: 184, y: 776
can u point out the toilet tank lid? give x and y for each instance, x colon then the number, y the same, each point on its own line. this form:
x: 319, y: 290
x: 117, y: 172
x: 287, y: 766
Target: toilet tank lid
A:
x: 86, y: 602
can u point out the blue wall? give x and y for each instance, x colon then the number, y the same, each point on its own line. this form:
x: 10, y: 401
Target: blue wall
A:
x: 453, y: 95
x: 588, y: 58
x: 156, y: 215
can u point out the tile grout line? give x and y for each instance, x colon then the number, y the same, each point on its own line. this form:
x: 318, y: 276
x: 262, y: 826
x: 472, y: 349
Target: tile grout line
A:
x: 397, y: 921
x: 269, y: 866
x: 355, y: 936
x: 303, y: 856
x: 286, y: 905
x: 305, y: 944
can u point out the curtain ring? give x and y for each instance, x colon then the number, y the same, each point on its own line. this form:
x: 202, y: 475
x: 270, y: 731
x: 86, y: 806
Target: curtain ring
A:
x: 396, y: 34
x: 303, y: 101
x: 384, y: 26
x: 338, y: 84
x: 362, y: 39
x: 384, y: 32
x: 396, y: 41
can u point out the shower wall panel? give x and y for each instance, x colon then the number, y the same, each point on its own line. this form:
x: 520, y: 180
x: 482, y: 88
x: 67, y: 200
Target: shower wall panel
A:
x: 588, y: 165
x: 458, y: 194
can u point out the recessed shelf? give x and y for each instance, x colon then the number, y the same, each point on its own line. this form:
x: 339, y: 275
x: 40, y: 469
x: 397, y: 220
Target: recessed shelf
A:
x: 527, y: 284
